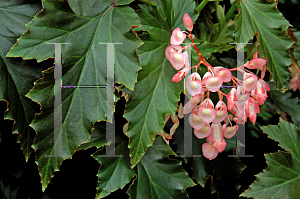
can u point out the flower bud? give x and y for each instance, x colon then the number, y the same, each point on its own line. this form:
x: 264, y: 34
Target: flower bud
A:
x: 188, y: 22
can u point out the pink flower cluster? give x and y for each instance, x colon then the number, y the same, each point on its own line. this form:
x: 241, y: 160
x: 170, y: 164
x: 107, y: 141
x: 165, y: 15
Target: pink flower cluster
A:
x: 243, y: 100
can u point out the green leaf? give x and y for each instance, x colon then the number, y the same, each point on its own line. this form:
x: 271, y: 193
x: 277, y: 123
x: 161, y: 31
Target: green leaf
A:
x: 17, y: 76
x: 217, y: 35
x: 284, y: 103
x: 115, y: 172
x: 98, y: 138
x: 158, y: 176
x: 282, y: 177
x: 262, y: 17
x: 84, y: 63
x: 155, y: 95
x: 107, y: 25
x: 287, y: 135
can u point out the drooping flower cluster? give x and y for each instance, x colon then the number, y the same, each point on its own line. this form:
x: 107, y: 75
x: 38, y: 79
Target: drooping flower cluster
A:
x: 206, y: 119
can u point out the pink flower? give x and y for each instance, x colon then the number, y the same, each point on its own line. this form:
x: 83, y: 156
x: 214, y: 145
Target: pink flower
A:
x: 252, y: 109
x: 171, y: 49
x: 231, y: 98
x: 192, y: 103
x: 224, y: 73
x: 193, y: 84
x: 221, y: 112
x: 263, y: 68
x: 196, y: 122
x: 255, y: 63
x: 206, y: 111
x: 180, y: 75
x: 203, y: 132
x: 177, y: 60
x: 259, y: 94
x: 217, y: 137
x: 229, y: 131
x: 177, y: 37
x: 239, y: 111
x: 212, y: 83
x: 241, y: 95
x: 209, y: 152
x: 250, y: 81
x: 188, y: 22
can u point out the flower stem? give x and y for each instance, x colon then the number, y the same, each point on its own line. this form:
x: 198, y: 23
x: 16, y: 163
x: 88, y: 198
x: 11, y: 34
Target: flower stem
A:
x: 231, y: 11
x: 201, y: 6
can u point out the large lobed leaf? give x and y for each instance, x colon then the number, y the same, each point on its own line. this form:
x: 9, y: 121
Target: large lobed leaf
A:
x: 155, y: 95
x: 17, y: 76
x: 262, y: 17
x: 158, y: 176
x: 84, y: 63
x: 115, y: 172
x: 282, y: 177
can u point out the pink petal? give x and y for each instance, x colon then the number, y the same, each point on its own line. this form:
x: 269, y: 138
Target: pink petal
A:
x: 177, y: 37
x: 204, y: 132
x: 186, y: 62
x: 221, y: 105
x: 220, y: 146
x: 255, y: 55
x: 224, y: 73
x: 207, y: 102
x: 213, y: 84
x: 231, y: 98
x: 264, y: 84
x: 187, y: 107
x: 230, y: 131
x: 263, y: 71
x: 188, y: 22
x: 217, y: 133
x: 252, y: 118
x: 193, y: 84
x: 256, y: 63
x: 196, y: 122
x: 171, y: 49
x: 177, y: 60
x: 250, y: 81
x: 207, y: 115
x: 192, y: 103
x: 180, y: 75
x: 209, y: 152
x: 241, y: 96
x: 220, y: 116
x: 207, y: 75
